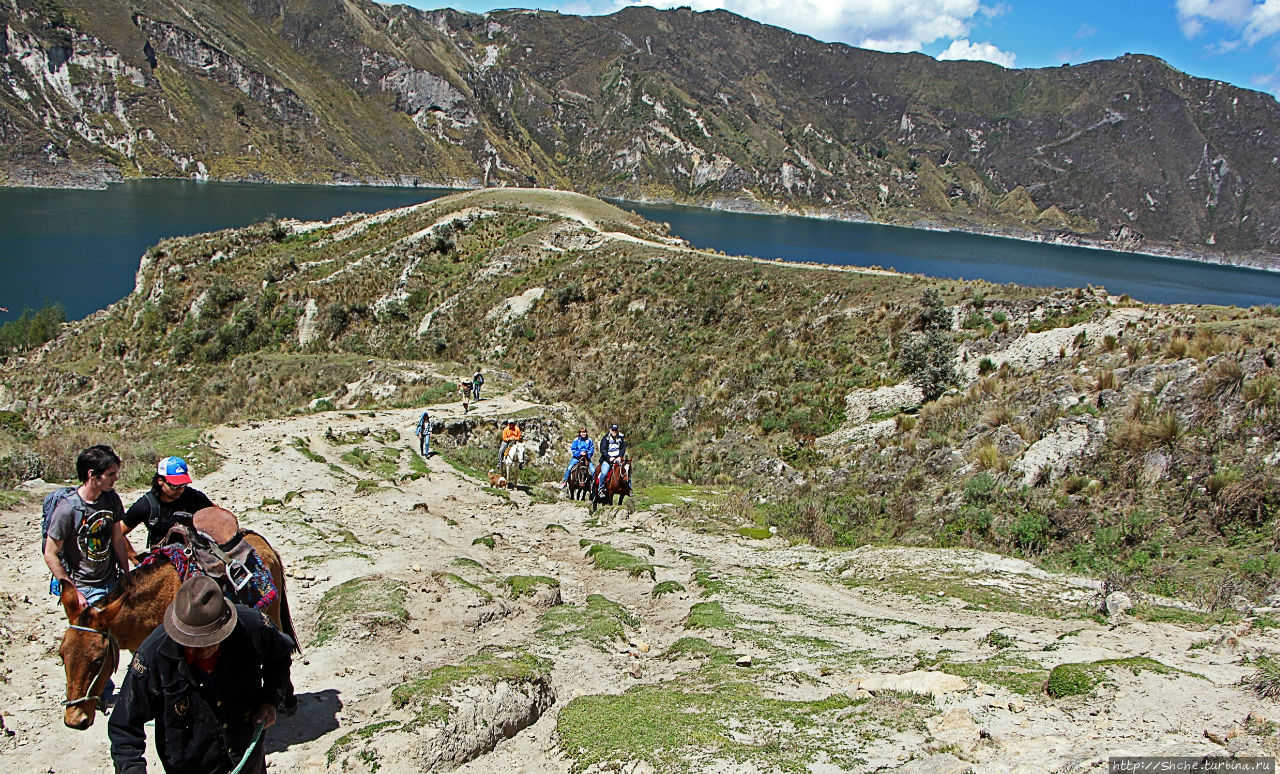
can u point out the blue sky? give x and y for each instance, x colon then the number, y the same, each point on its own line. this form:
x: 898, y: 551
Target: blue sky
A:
x: 1231, y: 40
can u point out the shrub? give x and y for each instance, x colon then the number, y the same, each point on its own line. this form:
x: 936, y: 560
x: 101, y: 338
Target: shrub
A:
x: 32, y: 329
x: 1259, y: 394
x: 928, y: 360
x: 1265, y: 681
x: 985, y: 366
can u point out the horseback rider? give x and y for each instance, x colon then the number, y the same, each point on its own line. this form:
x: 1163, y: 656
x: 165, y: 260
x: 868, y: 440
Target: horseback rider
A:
x: 510, y: 434
x: 583, y: 448
x: 613, y: 447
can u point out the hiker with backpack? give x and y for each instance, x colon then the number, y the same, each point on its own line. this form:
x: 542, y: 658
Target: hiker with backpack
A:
x: 171, y: 493
x: 423, y: 431
x: 80, y: 544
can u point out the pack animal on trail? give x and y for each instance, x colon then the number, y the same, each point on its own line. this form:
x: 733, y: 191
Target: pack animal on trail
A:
x: 512, y: 462
x: 617, y: 482
x: 90, y: 649
x: 580, y: 480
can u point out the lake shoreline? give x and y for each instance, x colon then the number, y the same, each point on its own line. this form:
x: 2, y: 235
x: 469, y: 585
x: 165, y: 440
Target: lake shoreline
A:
x: 1267, y: 262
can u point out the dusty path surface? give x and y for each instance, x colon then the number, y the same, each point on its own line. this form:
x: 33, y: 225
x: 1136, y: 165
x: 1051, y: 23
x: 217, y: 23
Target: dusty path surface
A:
x: 910, y: 659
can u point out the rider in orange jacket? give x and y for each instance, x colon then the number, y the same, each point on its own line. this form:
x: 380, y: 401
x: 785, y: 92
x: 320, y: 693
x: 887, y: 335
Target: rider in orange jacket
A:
x: 510, y: 434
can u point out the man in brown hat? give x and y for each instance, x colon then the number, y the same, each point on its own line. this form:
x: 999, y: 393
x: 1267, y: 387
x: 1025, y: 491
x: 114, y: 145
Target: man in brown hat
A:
x: 208, y: 677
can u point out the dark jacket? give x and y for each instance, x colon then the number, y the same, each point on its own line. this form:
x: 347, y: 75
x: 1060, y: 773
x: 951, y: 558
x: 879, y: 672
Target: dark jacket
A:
x: 611, y: 446
x: 203, y: 723
x: 160, y: 519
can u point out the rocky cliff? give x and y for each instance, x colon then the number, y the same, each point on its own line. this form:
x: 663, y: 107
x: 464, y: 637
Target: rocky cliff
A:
x: 706, y: 108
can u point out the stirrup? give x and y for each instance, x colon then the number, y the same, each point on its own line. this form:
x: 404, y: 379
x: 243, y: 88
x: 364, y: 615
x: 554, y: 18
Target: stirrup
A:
x: 238, y: 575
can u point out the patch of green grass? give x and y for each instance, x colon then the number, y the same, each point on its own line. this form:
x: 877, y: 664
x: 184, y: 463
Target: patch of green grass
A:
x: 680, y: 728
x: 696, y: 647
x: 487, y: 667
x: 364, y: 485
x: 599, y: 622
x: 484, y: 540
x: 1017, y: 673
x: 556, y: 528
x: 708, y: 615
x: 755, y: 533
x: 676, y: 494
x: 305, y: 449
x: 963, y: 586
x: 606, y: 557
x: 349, y: 740
x: 704, y: 577
x: 666, y: 587
x: 1079, y: 678
x: 1190, y: 619
x: 375, y: 602
x: 10, y: 499
x: 472, y: 564
x: 527, y: 585
x: 998, y: 640
x: 457, y: 580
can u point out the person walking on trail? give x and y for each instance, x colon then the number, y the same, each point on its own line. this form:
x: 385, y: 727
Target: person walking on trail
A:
x: 82, y: 548
x: 582, y: 448
x: 477, y: 381
x: 171, y: 493
x: 464, y: 394
x: 613, y: 447
x: 424, y: 434
x: 210, y: 678
x: 510, y: 434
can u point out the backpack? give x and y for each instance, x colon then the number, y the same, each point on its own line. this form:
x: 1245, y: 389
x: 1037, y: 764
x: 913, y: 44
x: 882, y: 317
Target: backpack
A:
x: 51, y: 501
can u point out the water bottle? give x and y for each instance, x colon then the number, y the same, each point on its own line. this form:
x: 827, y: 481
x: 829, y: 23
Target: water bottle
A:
x: 55, y: 588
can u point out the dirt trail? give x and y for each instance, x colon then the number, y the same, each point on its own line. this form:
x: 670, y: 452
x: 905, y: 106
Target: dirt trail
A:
x: 819, y: 622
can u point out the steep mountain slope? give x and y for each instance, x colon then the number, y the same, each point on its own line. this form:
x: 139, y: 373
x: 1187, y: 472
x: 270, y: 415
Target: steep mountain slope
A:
x: 697, y: 107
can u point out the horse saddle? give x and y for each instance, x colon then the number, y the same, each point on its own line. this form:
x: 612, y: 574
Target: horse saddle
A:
x: 213, y: 539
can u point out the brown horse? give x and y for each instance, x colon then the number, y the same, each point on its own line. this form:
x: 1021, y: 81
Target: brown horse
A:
x: 616, y: 482
x: 580, y: 480
x: 90, y: 648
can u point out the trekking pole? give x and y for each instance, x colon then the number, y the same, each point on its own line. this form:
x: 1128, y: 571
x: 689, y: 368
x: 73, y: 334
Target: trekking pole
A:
x: 257, y: 735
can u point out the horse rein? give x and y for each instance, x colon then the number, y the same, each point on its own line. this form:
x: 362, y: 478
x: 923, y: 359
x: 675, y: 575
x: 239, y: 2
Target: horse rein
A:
x: 112, y: 657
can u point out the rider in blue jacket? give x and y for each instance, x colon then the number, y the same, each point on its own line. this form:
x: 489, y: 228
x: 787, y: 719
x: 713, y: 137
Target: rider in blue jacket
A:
x: 582, y: 448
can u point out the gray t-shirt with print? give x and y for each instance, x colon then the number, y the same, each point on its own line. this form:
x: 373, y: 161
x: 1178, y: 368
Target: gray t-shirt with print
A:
x: 86, y: 537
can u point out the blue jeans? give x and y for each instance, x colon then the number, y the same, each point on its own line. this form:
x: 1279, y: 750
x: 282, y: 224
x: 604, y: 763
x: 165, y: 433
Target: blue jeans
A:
x: 591, y: 470
x: 424, y: 443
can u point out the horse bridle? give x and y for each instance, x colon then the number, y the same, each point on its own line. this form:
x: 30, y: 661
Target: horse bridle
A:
x: 112, y: 658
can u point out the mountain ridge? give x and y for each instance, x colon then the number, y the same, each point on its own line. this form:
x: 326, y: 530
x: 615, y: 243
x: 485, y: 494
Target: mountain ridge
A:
x: 699, y: 108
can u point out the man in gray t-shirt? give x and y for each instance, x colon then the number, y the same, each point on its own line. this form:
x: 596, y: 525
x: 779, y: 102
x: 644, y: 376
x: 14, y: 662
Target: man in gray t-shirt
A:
x: 81, y: 549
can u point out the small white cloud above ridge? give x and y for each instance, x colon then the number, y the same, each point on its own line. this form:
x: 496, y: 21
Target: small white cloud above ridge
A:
x: 986, y: 52
x: 886, y: 25
x: 1252, y: 20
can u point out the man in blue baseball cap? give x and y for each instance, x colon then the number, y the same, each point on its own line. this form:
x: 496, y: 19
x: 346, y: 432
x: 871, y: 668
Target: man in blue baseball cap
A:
x: 171, y: 492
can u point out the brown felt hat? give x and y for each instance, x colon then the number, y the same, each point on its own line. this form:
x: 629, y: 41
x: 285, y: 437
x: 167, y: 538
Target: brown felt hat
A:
x: 199, y: 615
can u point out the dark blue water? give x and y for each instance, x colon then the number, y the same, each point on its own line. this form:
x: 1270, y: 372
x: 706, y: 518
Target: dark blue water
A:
x: 968, y: 256
x: 81, y: 248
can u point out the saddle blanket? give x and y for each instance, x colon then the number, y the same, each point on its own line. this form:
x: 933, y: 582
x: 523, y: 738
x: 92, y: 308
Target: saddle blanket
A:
x: 259, y: 592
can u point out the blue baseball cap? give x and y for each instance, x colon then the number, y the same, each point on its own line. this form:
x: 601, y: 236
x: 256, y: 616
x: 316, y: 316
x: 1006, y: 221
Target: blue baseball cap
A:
x: 174, y: 470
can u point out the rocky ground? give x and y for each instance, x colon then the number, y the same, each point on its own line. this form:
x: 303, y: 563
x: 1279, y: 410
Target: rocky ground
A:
x: 762, y: 657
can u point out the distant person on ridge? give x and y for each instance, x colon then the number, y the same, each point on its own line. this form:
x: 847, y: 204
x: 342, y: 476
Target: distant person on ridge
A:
x: 171, y: 492
x: 613, y: 447
x: 82, y: 548
x: 582, y: 447
x: 477, y: 381
x: 510, y: 434
x: 423, y: 432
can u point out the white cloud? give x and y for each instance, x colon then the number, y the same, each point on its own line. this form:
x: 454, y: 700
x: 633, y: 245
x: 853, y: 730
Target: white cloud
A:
x: 1251, y: 20
x: 887, y: 25
x: 963, y: 49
